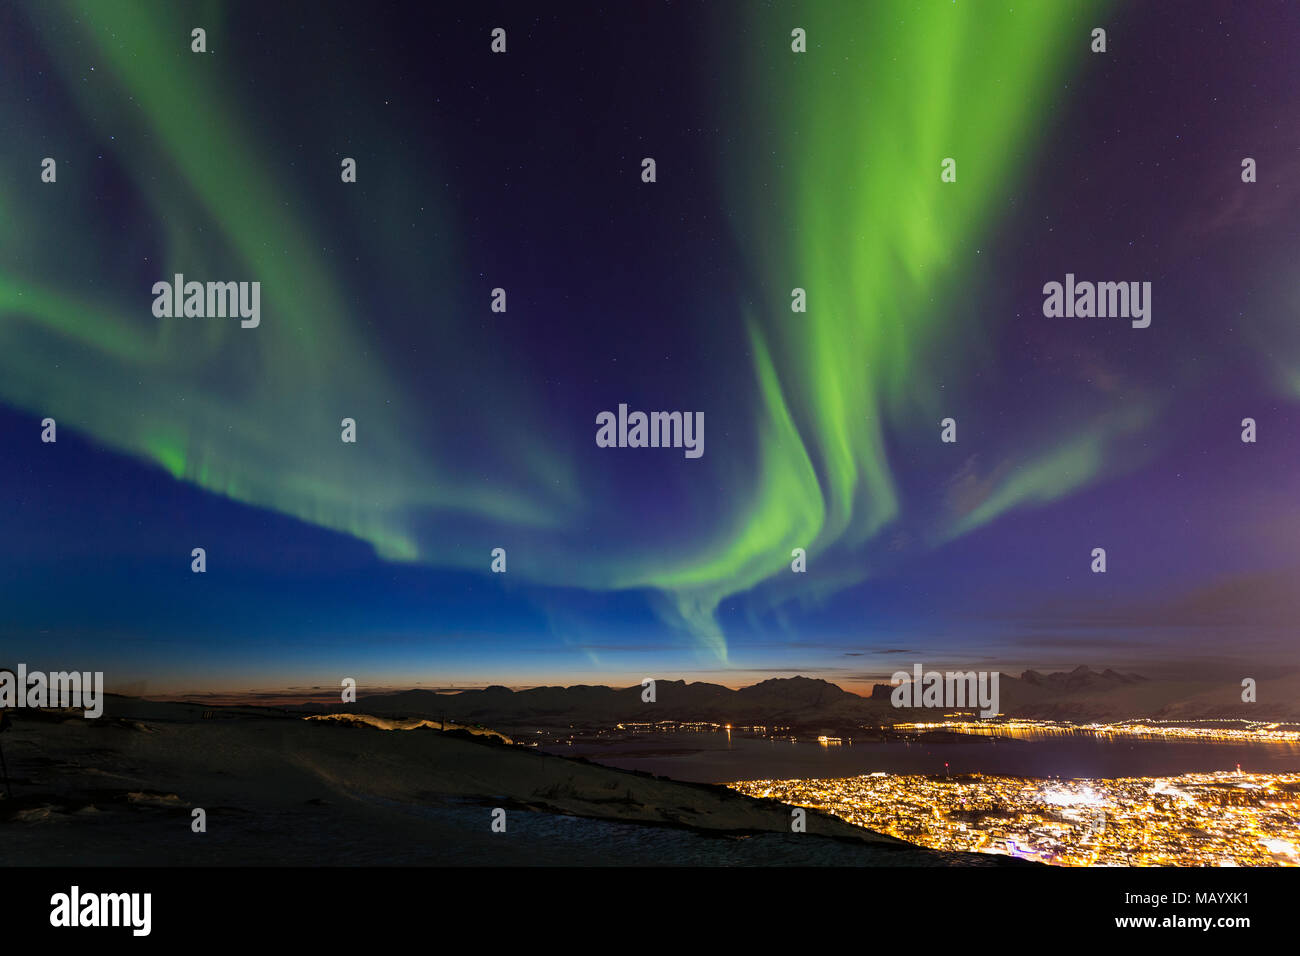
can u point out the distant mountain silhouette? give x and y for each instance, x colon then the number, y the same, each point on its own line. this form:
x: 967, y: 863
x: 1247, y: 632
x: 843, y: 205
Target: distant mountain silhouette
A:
x: 1079, y: 694
x: 1080, y: 678
x: 778, y: 699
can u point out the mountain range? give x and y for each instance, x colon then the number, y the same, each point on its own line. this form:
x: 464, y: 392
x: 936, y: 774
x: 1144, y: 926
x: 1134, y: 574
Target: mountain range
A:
x: 1082, y: 694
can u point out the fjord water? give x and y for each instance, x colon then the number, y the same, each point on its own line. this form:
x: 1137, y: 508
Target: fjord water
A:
x: 723, y: 757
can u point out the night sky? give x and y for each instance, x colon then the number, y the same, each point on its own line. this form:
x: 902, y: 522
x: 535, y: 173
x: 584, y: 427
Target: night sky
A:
x: 476, y: 429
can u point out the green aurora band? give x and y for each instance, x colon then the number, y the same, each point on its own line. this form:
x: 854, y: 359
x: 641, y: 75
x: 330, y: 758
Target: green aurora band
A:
x: 833, y: 186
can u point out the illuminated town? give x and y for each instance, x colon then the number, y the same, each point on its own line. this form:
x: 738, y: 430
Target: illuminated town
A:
x: 1196, y: 819
x: 1221, y: 731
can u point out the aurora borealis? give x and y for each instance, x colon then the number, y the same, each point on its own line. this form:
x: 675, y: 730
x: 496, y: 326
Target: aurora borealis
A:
x: 521, y: 171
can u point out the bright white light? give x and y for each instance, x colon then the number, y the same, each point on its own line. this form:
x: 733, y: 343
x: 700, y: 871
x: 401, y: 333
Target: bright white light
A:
x: 1074, y: 798
x: 1279, y: 846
